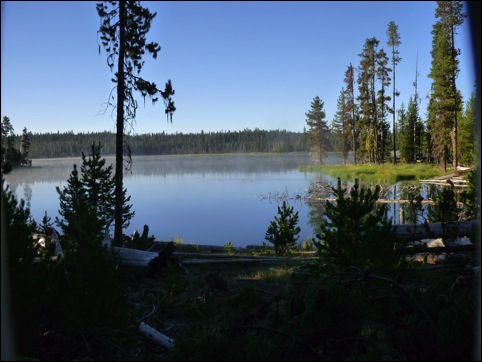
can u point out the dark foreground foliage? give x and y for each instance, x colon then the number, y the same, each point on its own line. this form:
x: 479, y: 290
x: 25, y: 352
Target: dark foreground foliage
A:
x: 350, y: 315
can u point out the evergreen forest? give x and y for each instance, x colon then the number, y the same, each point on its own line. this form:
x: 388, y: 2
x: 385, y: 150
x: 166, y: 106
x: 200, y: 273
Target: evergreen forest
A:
x: 69, y: 144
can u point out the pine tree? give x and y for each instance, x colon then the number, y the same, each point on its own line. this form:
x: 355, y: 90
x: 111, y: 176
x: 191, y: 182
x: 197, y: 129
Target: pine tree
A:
x: 451, y: 17
x: 445, y: 100
x: 283, y: 231
x: 394, y: 42
x: 407, y: 139
x: 384, y: 81
x: 401, y: 122
x: 367, y: 101
x: 31, y: 288
x: 341, y: 127
x: 318, y: 132
x: 95, y: 304
x: 123, y: 30
x: 350, y: 112
x: 441, y: 105
x: 25, y: 147
x: 356, y: 231
x: 467, y: 140
x: 18, y: 225
x: 87, y: 203
x: 9, y: 153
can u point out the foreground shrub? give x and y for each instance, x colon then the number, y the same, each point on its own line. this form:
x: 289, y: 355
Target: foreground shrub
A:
x: 283, y: 231
x: 346, y: 315
x: 356, y: 231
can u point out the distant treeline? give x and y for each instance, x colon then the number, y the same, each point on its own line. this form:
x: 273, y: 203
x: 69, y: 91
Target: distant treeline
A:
x: 69, y: 144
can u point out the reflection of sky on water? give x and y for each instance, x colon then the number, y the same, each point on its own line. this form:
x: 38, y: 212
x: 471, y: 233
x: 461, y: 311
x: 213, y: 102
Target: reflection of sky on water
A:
x: 204, y: 199
x: 213, y: 208
x: 200, y: 199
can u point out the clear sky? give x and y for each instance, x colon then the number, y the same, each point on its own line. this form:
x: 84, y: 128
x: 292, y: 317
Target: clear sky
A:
x: 233, y: 65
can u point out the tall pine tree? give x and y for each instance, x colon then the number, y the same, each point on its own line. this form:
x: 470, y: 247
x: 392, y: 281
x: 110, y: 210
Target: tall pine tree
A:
x: 318, y: 132
x: 123, y: 30
x: 394, y: 42
x: 441, y: 103
x: 367, y: 100
x: 350, y: 111
x: 407, y: 128
x: 382, y: 99
x: 467, y: 136
x: 446, y: 101
x: 340, y: 126
x: 451, y: 17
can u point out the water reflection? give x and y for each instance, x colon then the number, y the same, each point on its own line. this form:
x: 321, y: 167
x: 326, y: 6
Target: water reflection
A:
x: 209, y: 199
x: 320, y: 192
x: 198, y: 199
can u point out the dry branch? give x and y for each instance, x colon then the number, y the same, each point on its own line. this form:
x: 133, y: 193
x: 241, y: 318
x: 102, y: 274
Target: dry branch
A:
x: 156, y: 336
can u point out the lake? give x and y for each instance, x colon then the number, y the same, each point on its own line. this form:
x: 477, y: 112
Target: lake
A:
x: 197, y: 199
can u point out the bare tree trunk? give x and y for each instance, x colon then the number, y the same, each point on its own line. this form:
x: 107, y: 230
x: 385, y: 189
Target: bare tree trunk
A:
x: 454, y: 91
x: 119, y: 153
x: 393, y: 122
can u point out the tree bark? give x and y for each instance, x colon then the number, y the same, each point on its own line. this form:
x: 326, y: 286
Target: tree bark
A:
x: 119, y: 153
x: 393, y: 122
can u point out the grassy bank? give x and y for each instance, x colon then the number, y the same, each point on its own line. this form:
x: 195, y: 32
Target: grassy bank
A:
x: 383, y: 174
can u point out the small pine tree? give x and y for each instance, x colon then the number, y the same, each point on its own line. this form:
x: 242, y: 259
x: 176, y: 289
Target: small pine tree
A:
x: 356, y: 231
x: 470, y: 197
x: 283, y: 231
x: 87, y: 202
x: 94, y: 303
x: 31, y: 289
x: 445, y: 208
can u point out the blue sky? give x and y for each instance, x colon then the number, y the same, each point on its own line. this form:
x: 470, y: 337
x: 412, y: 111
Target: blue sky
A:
x: 233, y: 65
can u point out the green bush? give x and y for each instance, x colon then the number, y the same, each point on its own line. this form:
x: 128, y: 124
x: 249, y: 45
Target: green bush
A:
x: 72, y: 306
x: 283, y: 231
x: 31, y: 287
x: 356, y: 231
x: 94, y: 301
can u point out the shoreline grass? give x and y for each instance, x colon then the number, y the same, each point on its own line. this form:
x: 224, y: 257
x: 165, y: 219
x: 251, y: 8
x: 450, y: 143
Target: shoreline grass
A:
x: 377, y: 174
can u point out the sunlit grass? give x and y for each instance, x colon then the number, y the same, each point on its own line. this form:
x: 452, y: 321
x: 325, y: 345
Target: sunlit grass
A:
x: 177, y: 240
x: 377, y: 174
x: 272, y: 274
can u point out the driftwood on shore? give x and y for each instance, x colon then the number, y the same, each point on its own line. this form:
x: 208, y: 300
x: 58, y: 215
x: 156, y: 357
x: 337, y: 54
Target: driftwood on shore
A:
x: 141, y: 258
x: 405, y: 233
x: 410, y: 232
x: 156, y: 336
x: 460, y: 205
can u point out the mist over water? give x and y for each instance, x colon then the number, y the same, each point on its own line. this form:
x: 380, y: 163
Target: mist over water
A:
x: 203, y: 199
x: 199, y: 199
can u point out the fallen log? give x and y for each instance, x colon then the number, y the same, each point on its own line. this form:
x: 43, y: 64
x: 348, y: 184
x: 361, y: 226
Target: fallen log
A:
x: 420, y: 249
x: 404, y: 233
x: 156, y: 336
x: 258, y: 259
x: 134, y: 257
x: 410, y: 232
x: 141, y: 258
x: 232, y: 256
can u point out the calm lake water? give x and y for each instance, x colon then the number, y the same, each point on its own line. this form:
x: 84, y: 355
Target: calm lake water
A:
x: 205, y: 200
